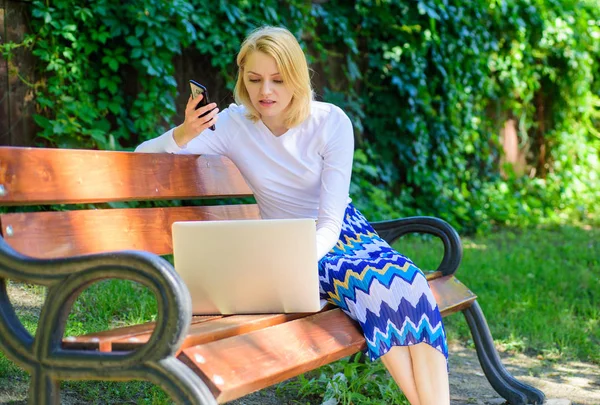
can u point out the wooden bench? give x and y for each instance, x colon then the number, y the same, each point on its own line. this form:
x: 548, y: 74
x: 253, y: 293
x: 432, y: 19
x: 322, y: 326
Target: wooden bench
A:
x: 196, y: 359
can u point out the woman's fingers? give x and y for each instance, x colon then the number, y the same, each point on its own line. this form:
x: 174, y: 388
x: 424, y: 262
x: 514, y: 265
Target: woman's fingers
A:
x: 203, y: 110
x: 191, y: 104
x: 202, y: 123
x: 193, y: 117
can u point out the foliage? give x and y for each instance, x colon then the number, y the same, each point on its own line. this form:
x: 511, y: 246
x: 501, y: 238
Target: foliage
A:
x: 447, y: 78
x: 428, y: 85
x: 346, y: 382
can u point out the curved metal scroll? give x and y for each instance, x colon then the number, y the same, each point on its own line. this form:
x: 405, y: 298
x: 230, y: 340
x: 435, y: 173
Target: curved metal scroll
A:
x: 48, y: 362
x: 394, y: 229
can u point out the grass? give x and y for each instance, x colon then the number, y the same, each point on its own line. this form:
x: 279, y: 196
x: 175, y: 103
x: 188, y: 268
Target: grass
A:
x: 539, y: 289
x: 111, y: 304
x: 104, y: 305
x: 347, y: 382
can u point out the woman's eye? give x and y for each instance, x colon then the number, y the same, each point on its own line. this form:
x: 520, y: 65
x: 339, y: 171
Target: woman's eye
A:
x: 278, y: 81
x: 254, y: 80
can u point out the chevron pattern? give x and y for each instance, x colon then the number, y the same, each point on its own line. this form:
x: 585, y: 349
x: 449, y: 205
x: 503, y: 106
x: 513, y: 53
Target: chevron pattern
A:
x: 381, y: 289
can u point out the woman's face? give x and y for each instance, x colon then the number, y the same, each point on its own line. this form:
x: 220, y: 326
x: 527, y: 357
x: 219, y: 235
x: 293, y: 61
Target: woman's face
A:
x: 268, y: 93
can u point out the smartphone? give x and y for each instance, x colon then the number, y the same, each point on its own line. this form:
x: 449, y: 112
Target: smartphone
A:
x: 198, y: 89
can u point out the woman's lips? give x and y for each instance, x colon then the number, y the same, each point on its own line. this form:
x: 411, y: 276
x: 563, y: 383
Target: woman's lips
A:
x: 267, y: 103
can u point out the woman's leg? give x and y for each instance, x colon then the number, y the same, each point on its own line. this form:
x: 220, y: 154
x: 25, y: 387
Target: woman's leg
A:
x: 421, y: 372
x: 391, y: 299
x: 431, y: 374
x: 398, y: 362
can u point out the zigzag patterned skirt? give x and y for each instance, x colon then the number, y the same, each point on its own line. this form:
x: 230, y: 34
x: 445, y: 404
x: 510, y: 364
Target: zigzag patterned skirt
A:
x: 381, y: 289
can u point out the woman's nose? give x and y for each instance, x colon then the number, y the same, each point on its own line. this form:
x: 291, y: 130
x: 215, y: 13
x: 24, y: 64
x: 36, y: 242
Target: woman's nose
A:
x: 266, y: 88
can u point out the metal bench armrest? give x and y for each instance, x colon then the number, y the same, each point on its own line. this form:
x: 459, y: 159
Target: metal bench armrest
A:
x: 49, y: 363
x: 393, y: 229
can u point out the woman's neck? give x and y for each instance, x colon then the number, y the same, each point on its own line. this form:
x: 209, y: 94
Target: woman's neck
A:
x: 276, y: 128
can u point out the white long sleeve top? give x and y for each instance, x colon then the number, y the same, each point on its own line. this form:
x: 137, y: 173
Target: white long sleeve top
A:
x: 303, y: 173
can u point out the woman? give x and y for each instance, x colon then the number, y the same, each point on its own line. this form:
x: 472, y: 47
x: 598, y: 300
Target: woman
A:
x: 296, y: 155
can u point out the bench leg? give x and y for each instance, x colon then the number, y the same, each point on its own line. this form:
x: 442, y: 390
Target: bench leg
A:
x: 170, y: 374
x: 514, y: 391
x: 43, y: 390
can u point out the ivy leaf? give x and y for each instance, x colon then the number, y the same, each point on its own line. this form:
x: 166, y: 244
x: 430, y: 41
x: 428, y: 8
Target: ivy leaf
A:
x: 42, y: 121
x: 90, y: 47
x: 190, y: 30
x: 133, y: 41
x: 103, y: 36
x: 353, y: 70
x: 139, y: 31
x: 99, y: 136
x: 113, y: 64
x: 152, y: 71
x: 270, y: 12
x: 112, y: 87
x: 115, y: 108
x: 136, y: 53
x: 83, y: 13
x: 53, y: 65
x: 149, y: 68
x: 45, y: 102
x: 69, y: 36
x: 58, y: 127
x: 37, y: 13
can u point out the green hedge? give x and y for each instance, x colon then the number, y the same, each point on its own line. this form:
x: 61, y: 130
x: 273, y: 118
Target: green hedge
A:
x: 427, y: 84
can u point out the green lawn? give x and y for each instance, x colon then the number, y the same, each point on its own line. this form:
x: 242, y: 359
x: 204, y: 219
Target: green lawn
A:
x: 539, y: 289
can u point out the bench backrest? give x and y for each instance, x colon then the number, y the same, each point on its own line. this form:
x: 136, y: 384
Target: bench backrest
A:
x: 39, y: 176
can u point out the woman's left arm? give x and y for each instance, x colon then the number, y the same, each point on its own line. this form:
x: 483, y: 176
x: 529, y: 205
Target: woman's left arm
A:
x: 335, y: 181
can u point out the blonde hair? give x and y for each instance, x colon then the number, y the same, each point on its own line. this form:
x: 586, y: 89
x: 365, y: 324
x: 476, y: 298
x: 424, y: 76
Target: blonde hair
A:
x: 280, y: 44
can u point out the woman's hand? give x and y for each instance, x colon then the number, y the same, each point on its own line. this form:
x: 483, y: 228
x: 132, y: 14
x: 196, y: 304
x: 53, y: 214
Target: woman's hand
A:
x: 193, y: 123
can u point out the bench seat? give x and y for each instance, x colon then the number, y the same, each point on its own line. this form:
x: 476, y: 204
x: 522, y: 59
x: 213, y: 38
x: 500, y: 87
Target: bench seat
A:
x: 451, y: 295
x: 227, y: 351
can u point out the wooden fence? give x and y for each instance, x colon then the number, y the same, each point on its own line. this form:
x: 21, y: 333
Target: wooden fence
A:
x: 16, y: 97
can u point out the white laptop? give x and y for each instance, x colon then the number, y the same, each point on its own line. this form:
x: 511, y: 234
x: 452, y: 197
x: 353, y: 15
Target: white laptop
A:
x: 248, y: 266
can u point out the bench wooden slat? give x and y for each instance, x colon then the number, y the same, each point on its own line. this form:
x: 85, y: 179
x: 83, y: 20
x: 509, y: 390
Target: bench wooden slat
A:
x: 70, y: 233
x: 236, y: 366
x: 203, y: 329
x: 242, y: 364
x: 104, y: 341
x: 33, y: 176
x: 451, y: 295
x: 216, y: 329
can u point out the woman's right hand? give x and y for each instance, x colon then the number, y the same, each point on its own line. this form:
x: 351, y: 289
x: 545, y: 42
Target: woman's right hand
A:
x: 193, y: 124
